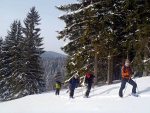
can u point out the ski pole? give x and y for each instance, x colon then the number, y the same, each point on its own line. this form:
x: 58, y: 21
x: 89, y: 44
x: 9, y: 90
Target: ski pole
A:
x: 82, y: 87
x: 82, y: 90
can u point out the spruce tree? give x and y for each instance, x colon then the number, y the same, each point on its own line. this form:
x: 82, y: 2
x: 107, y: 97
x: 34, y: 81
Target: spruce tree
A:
x: 81, y: 47
x: 33, y: 80
x: 16, y: 59
x: 1, y: 44
x: 7, y: 70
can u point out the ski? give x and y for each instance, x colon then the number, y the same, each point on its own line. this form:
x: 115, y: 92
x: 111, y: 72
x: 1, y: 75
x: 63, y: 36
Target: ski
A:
x: 134, y: 95
x: 137, y: 95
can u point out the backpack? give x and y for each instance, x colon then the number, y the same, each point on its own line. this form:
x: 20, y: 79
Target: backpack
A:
x: 130, y: 70
x: 59, y: 84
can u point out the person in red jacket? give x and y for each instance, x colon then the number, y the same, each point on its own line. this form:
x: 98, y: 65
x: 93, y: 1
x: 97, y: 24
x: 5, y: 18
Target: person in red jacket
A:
x: 88, y: 82
x: 126, y: 72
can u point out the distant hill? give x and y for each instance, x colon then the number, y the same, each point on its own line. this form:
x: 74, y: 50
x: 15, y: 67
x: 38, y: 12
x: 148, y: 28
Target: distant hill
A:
x: 51, y: 54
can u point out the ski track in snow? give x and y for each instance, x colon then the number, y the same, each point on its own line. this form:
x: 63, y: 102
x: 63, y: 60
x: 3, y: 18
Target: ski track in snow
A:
x: 103, y: 99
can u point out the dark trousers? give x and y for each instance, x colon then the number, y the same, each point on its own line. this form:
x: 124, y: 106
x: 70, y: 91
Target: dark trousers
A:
x: 88, y: 90
x: 57, y: 91
x: 123, y: 84
x: 71, y: 93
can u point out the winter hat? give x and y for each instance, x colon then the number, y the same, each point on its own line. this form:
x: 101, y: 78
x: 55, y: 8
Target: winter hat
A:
x: 88, y: 74
x: 127, y: 60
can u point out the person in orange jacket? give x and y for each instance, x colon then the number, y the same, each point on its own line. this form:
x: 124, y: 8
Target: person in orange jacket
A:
x: 126, y: 73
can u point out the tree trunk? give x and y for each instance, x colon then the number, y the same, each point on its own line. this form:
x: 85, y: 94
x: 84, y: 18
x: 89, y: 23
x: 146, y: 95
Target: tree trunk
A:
x: 145, y: 73
x: 96, y: 67
x: 110, y: 70
x: 128, y: 55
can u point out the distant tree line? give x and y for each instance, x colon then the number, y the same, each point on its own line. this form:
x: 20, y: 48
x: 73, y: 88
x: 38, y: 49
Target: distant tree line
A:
x: 103, y: 33
x: 54, y: 70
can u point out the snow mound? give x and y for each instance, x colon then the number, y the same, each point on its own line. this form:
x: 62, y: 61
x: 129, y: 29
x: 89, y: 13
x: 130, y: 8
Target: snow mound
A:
x: 103, y: 99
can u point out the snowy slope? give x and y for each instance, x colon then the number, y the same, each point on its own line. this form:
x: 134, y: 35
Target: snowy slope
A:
x: 104, y: 99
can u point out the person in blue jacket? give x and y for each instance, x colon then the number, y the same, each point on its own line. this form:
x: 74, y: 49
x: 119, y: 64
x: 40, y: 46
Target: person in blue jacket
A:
x: 72, y: 85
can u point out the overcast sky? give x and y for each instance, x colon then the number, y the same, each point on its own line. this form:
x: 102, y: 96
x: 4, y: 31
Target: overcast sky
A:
x: 11, y: 10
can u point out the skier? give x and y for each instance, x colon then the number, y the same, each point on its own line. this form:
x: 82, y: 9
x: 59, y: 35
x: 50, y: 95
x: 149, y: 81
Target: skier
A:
x: 88, y: 83
x: 72, y: 85
x: 126, y: 72
x: 58, y: 86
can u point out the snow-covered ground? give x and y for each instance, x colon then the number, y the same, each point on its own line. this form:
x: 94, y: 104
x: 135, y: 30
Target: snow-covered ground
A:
x: 104, y: 99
